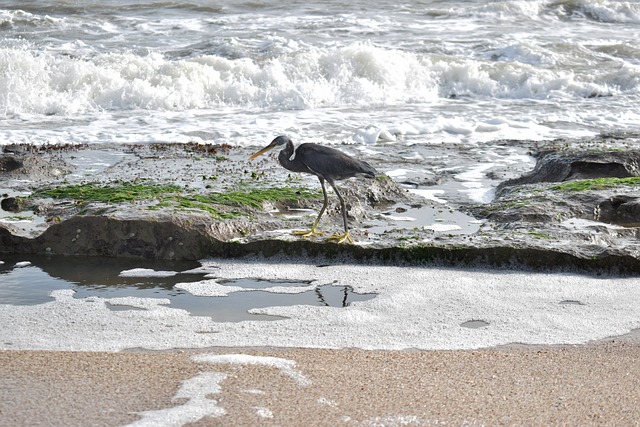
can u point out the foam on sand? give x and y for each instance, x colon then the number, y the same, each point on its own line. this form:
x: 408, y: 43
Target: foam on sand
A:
x: 286, y: 366
x: 424, y: 308
x: 195, y: 390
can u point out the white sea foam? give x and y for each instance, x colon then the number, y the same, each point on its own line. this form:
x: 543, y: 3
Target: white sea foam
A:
x: 198, y: 405
x: 146, y: 272
x: 20, y: 264
x: 430, y: 194
x: 142, y: 303
x: 442, y: 227
x: 210, y: 287
x: 415, y: 308
x: 473, y: 185
x: 395, y: 173
x: 354, y: 75
x: 196, y: 391
x: 263, y: 412
x: 286, y: 366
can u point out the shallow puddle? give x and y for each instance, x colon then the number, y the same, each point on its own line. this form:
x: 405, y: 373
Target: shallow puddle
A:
x: 439, y: 219
x: 30, y: 280
x: 474, y: 324
x: 571, y: 302
x: 262, y: 283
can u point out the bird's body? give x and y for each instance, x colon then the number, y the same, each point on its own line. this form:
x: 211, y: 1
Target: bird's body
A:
x: 328, y: 164
x: 324, y: 162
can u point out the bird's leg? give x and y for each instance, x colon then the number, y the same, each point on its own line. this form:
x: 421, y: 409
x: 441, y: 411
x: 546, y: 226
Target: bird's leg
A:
x: 315, y: 223
x: 346, y: 237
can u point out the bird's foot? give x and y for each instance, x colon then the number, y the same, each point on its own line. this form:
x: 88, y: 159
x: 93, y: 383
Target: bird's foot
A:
x: 341, y: 238
x: 309, y: 233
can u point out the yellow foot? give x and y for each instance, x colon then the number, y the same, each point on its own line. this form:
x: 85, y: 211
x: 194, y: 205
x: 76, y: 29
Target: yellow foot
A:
x: 309, y: 233
x: 341, y: 238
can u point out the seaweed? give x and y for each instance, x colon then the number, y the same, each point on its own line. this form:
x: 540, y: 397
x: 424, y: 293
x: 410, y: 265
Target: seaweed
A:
x: 169, y: 195
x: 597, y: 184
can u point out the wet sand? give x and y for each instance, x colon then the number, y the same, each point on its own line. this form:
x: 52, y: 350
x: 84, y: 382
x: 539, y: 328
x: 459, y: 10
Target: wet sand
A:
x: 594, y: 384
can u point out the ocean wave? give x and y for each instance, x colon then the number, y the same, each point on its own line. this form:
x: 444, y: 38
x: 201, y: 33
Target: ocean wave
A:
x: 605, y: 11
x: 42, y: 82
x: 166, y: 15
x: 64, y: 8
x: 25, y: 21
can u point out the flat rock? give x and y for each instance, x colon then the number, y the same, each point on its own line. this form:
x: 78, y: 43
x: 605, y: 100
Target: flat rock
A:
x: 530, y: 221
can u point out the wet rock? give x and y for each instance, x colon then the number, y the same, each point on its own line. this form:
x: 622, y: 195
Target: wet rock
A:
x: 33, y: 166
x: 363, y: 196
x: 537, y: 198
x: 573, y: 165
x: 154, y: 237
x: 151, y: 236
x: 10, y: 164
x: 530, y: 223
x: 12, y: 204
x: 623, y: 210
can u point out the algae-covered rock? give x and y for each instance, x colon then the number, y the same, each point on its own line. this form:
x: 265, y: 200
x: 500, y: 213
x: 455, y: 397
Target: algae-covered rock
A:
x: 579, y: 165
x: 577, y: 208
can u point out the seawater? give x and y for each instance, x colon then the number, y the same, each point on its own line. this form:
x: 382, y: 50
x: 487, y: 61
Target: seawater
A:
x: 32, y: 279
x: 358, y: 72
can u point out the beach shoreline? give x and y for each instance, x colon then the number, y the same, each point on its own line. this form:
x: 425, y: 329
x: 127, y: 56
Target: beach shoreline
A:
x: 590, y: 384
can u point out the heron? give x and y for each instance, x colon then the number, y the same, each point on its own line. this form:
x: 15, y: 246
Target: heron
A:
x: 328, y: 164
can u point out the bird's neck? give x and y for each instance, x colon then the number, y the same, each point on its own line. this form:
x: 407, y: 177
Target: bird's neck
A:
x: 284, y: 157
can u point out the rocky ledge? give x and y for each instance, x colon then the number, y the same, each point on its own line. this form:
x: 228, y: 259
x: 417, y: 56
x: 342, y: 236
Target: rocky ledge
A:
x: 576, y: 207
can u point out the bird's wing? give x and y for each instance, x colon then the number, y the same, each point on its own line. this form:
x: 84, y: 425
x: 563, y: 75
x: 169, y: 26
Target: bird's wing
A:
x: 330, y: 163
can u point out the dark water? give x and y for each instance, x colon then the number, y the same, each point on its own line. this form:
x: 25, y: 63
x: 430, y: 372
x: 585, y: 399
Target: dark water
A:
x: 33, y: 282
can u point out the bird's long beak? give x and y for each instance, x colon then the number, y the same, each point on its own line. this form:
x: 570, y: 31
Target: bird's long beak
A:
x: 264, y: 150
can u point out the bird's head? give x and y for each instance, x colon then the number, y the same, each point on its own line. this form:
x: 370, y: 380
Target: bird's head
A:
x: 277, y: 142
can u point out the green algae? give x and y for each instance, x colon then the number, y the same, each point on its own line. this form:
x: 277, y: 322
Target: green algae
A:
x: 121, y: 191
x: 597, y: 184
x: 169, y: 195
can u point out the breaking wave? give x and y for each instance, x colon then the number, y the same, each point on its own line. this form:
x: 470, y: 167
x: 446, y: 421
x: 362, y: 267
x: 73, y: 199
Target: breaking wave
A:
x: 42, y: 82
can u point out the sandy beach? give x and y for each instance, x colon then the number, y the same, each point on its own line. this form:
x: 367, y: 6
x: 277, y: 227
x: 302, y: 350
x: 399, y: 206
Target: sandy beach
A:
x: 593, y: 384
